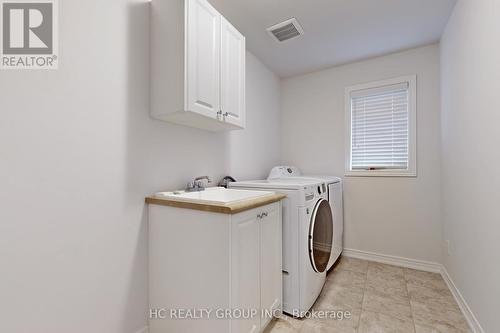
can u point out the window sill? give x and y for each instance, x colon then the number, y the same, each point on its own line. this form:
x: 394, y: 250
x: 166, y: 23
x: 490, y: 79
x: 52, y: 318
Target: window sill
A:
x: 381, y: 173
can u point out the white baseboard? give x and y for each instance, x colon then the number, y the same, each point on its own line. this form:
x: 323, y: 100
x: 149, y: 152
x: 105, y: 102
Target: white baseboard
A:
x: 467, y: 312
x: 143, y: 330
x: 423, y: 266
x: 393, y: 260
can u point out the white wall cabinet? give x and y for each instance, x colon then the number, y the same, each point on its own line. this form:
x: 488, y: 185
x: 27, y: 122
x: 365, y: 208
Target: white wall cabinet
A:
x: 233, y: 53
x: 203, y: 25
x: 203, y: 260
x: 197, y: 66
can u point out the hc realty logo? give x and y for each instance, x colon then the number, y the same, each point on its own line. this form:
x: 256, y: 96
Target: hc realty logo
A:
x: 29, y: 34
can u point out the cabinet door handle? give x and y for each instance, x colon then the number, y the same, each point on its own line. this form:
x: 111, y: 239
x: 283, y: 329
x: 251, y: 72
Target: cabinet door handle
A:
x: 262, y: 215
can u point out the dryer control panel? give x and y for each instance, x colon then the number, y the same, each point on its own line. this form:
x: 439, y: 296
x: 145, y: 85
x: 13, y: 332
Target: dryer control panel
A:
x: 310, y: 193
x: 283, y: 172
x: 314, y: 192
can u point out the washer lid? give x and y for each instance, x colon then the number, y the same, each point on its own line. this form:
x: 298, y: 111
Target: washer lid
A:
x: 292, y: 183
x: 326, y: 179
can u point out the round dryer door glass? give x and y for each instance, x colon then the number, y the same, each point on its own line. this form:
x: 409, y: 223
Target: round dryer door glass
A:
x: 320, y: 236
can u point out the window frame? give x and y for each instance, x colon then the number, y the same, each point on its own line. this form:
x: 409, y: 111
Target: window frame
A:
x: 412, y: 129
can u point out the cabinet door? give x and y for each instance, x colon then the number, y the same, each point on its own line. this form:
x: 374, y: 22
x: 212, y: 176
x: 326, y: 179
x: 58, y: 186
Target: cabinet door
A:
x: 245, y: 284
x: 271, y: 269
x: 202, y: 58
x: 232, y: 74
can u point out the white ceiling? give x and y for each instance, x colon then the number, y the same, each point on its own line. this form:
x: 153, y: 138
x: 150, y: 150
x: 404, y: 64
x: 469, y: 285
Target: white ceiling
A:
x: 336, y: 31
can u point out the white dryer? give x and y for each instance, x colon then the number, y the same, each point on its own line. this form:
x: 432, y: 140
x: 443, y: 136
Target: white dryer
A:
x: 334, y: 190
x: 306, y: 245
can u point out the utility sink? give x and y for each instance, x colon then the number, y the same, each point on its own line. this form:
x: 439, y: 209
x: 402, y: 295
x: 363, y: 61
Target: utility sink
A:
x: 214, y: 195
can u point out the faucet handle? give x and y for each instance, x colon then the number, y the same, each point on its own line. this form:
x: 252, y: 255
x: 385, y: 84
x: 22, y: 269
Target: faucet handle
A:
x: 198, y: 184
x: 201, y: 183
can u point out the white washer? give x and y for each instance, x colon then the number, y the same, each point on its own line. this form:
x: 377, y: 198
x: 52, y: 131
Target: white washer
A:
x: 306, y: 247
x: 334, y: 188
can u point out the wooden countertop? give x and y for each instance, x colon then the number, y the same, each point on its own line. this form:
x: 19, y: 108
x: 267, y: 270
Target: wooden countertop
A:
x: 231, y: 208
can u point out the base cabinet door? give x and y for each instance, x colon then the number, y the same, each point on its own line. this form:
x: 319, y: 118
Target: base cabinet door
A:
x: 270, y: 264
x: 245, y: 271
x: 256, y: 268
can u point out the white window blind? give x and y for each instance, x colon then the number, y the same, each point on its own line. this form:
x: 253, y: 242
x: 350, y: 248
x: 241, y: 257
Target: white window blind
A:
x: 380, y: 128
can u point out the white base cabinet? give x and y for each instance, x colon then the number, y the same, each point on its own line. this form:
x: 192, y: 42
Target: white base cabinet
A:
x: 226, y: 269
x: 197, y: 66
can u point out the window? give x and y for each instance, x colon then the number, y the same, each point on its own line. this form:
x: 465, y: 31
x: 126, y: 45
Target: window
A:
x: 381, y: 128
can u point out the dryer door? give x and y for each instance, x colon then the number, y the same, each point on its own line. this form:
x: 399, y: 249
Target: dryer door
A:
x: 320, y: 235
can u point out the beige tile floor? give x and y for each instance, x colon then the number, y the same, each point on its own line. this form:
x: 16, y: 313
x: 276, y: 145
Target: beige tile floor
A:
x: 381, y: 299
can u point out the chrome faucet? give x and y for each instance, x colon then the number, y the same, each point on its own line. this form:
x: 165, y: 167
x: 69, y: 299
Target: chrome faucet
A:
x: 197, y: 184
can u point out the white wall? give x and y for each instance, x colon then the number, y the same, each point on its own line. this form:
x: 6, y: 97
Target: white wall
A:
x: 254, y: 151
x: 470, y: 55
x: 78, y: 154
x: 393, y: 216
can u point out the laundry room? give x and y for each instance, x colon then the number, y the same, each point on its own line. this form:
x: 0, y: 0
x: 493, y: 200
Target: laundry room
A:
x: 249, y: 166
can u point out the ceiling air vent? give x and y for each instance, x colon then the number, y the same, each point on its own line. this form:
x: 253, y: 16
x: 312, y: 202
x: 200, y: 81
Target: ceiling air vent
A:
x: 286, y: 30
